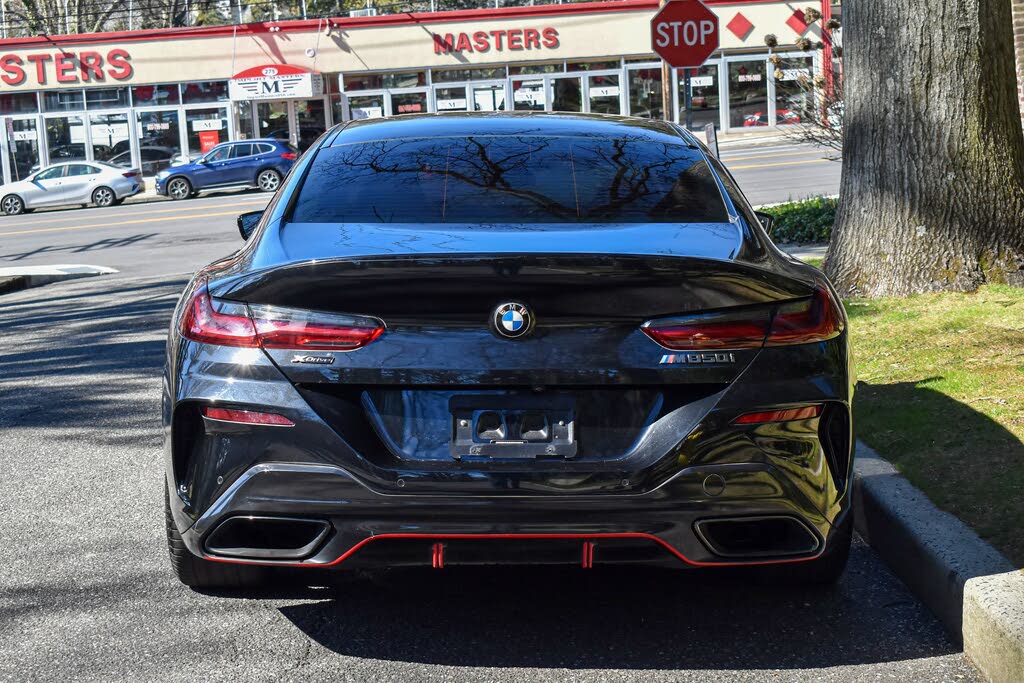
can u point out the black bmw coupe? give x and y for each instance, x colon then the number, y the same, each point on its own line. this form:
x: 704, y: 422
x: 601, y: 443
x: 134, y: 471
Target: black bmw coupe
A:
x: 501, y: 338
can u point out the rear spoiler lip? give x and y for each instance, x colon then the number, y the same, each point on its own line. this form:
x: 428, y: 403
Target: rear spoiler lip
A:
x: 228, y: 282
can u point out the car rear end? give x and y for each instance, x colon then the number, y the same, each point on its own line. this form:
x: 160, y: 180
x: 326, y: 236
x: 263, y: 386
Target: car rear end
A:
x: 343, y: 392
x: 125, y: 182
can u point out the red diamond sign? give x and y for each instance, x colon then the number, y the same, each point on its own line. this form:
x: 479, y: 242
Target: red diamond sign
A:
x: 684, y: 33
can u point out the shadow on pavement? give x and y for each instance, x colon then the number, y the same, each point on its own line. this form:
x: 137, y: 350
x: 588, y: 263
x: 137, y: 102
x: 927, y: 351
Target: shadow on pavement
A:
x: 621, y: 618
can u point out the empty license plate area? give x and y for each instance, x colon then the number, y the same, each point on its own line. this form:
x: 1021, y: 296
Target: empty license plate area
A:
x: 513, y: 426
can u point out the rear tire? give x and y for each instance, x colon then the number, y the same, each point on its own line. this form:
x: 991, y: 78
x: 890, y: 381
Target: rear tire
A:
x: 103, y: 197
x: 12, y: 205
x: 179, y: 188
x: 195, y: 572
x: 268, y: 180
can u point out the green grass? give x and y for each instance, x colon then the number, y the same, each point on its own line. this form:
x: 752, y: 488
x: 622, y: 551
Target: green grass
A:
x: 941, y: 395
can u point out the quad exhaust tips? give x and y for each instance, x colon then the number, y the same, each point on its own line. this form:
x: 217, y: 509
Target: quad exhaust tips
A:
x: 267, y: 538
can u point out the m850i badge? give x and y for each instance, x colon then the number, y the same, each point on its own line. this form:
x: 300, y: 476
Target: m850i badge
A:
x: 698, y: 358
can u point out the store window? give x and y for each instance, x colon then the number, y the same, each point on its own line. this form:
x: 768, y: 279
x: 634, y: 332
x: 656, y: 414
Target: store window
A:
x: 19, y: 103
x: 704, y: 98
x: 65, y: 137
x: 206, y: 128
x: 794, y: 90
x: 489, y: 97
x: 592, y: 66
x: 159, y: 139
x: 645, y: 93
x: 409, y: 103
x: 529, y: 95
x: 155, y: 95
x: 748, y: 94
x: 109, y: 133
x: 63, y: 100
x: 106, y: 98
x: 451, y: 99
x: 527, y: 69
x: 489, y: 73
x: 23, y: 148
x: 397, y: 79
x: 273, y: 119
x: 366, y: 106
x: 604, y: 94
x: 312, y: 119
x: 204, y: 91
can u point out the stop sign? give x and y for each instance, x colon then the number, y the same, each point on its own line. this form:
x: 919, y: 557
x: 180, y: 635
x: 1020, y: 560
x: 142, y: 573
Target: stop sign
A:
x: 684, y: 33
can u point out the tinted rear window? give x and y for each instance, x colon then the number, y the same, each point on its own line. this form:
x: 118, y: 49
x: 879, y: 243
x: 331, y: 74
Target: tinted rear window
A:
x: 506, y: 179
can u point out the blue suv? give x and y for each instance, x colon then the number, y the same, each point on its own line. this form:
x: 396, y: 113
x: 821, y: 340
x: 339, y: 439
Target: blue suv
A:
x: 249, y: 163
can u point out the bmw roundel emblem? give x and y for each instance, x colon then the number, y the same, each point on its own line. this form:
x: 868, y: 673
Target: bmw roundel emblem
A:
x: 512, y: 320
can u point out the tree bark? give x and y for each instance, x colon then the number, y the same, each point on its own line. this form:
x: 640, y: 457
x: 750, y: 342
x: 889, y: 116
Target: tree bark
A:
x: 932, y: 193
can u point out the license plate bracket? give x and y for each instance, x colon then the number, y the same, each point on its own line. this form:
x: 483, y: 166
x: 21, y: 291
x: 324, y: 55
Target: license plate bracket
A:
x: 513, y: 427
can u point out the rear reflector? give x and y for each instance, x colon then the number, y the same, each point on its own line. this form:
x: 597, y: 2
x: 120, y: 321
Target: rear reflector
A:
x: 788, y: 415
x: 817, y: 318
x: 247, y: 417
x: 290, y: 156
x: 229, y: 323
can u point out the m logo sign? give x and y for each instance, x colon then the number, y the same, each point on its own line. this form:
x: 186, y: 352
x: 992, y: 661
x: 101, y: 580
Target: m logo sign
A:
x: 275, y: 81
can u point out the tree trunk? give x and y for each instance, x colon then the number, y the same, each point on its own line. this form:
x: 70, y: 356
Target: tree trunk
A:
x: 932, y: 193
x: 1018, y: 48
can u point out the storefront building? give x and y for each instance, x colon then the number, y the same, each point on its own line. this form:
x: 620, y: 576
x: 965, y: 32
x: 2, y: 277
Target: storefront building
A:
x: 147, y: 98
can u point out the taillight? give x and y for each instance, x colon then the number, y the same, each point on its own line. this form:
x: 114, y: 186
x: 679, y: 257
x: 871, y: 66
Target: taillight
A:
x: 227, y: 323
x: 290, y: 156
x: 787, y: 415
x: 285, y: 328
x: 812, y: 320
x: 815, y: 319
x: 247, y: 417
x: 701, y: 332
x: 130, y: 174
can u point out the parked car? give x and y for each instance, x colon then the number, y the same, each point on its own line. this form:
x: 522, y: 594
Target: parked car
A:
x: 431, y: 354
x: 74, y: 182
x: 154, y: 159
x: 250, y: 163
x: 782, y: 117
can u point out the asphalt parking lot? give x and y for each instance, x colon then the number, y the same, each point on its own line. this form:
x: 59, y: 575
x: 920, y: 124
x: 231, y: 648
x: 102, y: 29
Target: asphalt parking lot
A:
x: 87, y: 594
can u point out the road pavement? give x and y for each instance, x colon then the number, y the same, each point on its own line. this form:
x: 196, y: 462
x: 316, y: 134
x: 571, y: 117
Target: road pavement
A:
x: 164, y: 237
x: 86, y: 592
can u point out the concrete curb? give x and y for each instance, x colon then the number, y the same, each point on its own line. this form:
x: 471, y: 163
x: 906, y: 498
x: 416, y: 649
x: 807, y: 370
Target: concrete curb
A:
x: 16, y: 279
x: 975, y: 592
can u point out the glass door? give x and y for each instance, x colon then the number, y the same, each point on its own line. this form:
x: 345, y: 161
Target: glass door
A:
x: 23, y: 146
x: 604, y: 93
x: 529, y: 94
x: 566, y: 93
x: 310, y: 120
x: 450, y: 98
x: 205, y: 129
x: 748, y: 94
x: 159, y: 134
x: 488, y: 96
x: 109, y: 137
x: 704, y: 99
x: 65, y: 138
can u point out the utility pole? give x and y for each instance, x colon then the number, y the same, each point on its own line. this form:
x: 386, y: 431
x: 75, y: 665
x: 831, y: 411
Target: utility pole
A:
x: 666, y: 83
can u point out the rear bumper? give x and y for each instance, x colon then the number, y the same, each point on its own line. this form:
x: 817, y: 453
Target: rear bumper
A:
x: 368, y: 527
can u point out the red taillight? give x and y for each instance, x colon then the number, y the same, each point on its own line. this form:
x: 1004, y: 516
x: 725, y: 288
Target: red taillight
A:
x: 227, y: 323
x: 805, y: 413
x: 283, y: 328
x: 814, y: 320
x: 131, y: 174
x: 229, y: 326
x: 290, y: 156
x: 810, y: 320
x: 247, y: 417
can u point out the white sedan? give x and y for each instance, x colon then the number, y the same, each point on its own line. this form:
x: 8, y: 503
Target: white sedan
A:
x: 72, y: 182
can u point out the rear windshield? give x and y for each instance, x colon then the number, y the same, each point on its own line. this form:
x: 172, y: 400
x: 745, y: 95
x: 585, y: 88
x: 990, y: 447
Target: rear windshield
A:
x: 509, y: 179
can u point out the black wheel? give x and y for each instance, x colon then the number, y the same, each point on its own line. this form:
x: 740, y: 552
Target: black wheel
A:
x: 12, y: 205
x: 179, y: 188
x: 103, y: 197
x: 196, y: 572
x: 268, y: 180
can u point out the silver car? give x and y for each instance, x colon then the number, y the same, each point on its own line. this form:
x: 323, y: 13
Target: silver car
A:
x: 72, y: 182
